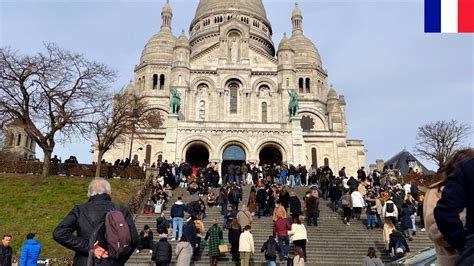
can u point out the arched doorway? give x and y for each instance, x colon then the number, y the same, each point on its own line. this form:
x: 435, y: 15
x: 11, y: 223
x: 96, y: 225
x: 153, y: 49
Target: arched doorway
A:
x: 270, y: 155
x: 233, y: 157
x: 197, y: 155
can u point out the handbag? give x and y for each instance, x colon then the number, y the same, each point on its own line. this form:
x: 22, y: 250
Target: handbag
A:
x: 223, y: 248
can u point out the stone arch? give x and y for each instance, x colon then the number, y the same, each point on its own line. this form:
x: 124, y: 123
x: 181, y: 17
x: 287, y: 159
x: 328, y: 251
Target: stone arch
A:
x: 316, y: 113
x: 207, y: 80
x: 197, y: 140
x: 277, y: 142
x: 264, y: 81
x: 239, y: 141
x: 229, y: 78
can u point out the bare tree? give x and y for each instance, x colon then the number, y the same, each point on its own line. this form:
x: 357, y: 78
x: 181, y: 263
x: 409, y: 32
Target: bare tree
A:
x: 437, y: 141
x: 54, y: 94
x: 126, y: 112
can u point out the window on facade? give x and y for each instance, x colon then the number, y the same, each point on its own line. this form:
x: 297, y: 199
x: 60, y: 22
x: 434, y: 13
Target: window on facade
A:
x: 233, y: 91
x: 12, y: 139
x: 287, y: 82
x: 160, y: 158
x: 162, y: 82
x: 143, y: 83
x: 314, y: 158
x: 264, y: 112
x: 326, y: 162
x: 202, y: 110
x: 308, y: 85
x: 148, y: 154
x: 155, y: 81
x: 301, y: 85
x: 18, y: 140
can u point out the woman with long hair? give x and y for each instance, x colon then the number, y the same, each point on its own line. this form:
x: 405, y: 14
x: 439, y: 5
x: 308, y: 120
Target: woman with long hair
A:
x: 298, y: 260
x: 445, y: 254
x: 298, y: 234
x: 372, y: 259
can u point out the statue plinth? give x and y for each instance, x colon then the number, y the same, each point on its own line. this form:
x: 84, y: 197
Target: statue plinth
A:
x: 298, y: 146
x: 169, y: 143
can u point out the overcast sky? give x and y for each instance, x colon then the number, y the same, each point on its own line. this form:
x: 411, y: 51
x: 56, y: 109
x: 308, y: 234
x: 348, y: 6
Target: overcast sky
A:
x: 394, y: 76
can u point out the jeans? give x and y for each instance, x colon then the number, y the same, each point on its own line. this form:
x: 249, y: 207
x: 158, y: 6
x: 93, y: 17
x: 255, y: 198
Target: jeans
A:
x: 178, y: 225
x: 292, y: 180
x: 335, y: 204
x: 312, y: 219
x: 283, y: 242
x: 408, y: 233
x: 297, y: 180
x: 261, y: 211
x: 231, y: 178
x: 371, y: 220
x: 282, y: 180
x: 413, y: 222
x: 271, y: 263
x: 238, y: 179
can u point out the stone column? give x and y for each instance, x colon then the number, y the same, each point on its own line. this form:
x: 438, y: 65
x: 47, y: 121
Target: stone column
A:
x: 169, y: 145
x: 297, y: 141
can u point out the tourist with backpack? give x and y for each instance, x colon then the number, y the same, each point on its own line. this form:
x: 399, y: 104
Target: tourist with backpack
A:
x: 398, y: 246
x: 270, y: 249
x: 91, y: 240
x: 390, y: 210
x: 162, y: 252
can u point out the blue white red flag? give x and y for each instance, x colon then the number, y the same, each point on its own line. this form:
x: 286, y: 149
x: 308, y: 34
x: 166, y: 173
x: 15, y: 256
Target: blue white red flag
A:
x: 449, y: 16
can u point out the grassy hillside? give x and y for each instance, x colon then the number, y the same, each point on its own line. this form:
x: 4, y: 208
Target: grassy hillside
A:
x: 36, y: 204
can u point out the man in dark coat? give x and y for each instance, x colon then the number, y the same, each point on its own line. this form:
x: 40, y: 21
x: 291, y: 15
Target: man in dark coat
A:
x: 162, y: 253
x: 84, y: 218
x: 295, y: 205
x: 190, y: 232
x: 457, y: 195
x: 6, y: 251
x: 261, y: 201
x: 312, y: 210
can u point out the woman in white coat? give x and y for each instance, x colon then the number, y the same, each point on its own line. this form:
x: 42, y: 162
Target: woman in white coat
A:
x: 184, y: 252
x: 358, y: 203
x: 298, y: 235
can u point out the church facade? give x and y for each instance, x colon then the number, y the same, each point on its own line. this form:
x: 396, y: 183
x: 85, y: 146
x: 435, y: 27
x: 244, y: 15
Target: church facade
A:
x: 235, y: 85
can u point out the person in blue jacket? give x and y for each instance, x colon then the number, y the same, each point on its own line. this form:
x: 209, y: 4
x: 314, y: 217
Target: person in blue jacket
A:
x: 30, y: 251
x: 457, y: 195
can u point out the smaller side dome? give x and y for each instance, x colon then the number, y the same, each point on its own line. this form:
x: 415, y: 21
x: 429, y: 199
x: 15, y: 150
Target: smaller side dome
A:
x: 182, y: 41
x: 285, y: 44
x: 332, y: 94
x: 159, y: 47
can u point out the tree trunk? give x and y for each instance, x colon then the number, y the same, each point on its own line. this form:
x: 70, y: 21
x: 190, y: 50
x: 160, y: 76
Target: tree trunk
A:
x: 99, y: 163
x: 46, y: 162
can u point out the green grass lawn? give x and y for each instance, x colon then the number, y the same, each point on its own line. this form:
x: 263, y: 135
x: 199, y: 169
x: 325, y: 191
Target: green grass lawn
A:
x: 35, y: 204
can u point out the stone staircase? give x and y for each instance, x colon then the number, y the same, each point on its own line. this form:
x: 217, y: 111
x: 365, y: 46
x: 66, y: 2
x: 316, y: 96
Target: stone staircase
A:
x: 330, y: 243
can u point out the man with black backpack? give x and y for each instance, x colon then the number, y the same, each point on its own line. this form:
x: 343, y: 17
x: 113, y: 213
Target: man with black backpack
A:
x: 271, y: 248
x: 93, y: 221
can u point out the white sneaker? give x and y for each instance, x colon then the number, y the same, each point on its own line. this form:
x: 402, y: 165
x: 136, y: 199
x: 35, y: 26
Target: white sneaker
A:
x: 173, y: 239
x: 348, y: 224
x: 151, y: 251
x: 138, y: 251
x: 423, y: 230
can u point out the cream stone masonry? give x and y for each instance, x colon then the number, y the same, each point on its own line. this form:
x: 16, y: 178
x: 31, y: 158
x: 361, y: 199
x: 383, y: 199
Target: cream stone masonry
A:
x: 234, y: 88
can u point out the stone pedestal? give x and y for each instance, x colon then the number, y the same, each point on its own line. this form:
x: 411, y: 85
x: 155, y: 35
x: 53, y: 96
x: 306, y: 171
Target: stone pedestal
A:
x: 297, y: 141
x: 169, y: 143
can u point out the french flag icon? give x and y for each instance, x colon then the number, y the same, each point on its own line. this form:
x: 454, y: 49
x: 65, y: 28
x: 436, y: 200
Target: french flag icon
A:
x: 449, y: 16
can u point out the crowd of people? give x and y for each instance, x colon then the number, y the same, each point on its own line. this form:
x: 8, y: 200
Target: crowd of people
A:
x: 388, y: 204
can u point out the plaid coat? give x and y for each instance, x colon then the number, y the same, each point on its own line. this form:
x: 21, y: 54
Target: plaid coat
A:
x: 214, y: 235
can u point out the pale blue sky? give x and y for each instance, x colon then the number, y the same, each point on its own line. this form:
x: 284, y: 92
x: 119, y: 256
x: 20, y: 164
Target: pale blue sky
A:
x: 394, y: 76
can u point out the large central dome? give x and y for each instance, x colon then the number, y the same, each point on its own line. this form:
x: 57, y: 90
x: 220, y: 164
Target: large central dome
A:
x: 255, y: 7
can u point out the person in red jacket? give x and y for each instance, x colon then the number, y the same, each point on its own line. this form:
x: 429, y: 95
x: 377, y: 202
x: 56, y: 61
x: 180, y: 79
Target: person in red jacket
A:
x: 280, y: 230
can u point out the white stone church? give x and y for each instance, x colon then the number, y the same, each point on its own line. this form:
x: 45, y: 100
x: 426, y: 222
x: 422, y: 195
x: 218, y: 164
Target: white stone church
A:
x: 234, y: 86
